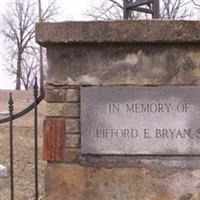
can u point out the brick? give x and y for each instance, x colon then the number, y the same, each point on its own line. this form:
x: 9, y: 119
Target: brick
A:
x: 72, y: 140
x: 53, y: 139
x: 73, y: 95
x: 56, y: 95
x: 62, y: 110
x: 71, y: 154
x: 72, y: 126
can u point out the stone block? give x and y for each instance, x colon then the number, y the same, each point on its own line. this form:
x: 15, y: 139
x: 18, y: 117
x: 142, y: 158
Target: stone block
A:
x: 132, y: 64
x: 71, y: 155
x: 80, y: 183
x: 72, y: 126
x: 128, y: 31
x: 72, y: 140
x: 134, y: 113
x: 55, y: 96
x: 73, y: 95
x: 53, y: 141
x: 130, y: 58
x: 62, y: 110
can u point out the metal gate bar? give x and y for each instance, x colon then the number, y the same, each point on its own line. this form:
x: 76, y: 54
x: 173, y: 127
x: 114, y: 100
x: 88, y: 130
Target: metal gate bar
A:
x: 10, y: 119
x: 35, y: 93
x: 10, y: 107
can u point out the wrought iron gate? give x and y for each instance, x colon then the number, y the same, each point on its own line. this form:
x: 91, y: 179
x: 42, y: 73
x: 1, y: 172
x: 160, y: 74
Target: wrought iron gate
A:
x: 10, y: 119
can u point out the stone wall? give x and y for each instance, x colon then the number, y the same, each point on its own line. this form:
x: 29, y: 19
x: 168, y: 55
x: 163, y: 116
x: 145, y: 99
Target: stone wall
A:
x: 125, y: 53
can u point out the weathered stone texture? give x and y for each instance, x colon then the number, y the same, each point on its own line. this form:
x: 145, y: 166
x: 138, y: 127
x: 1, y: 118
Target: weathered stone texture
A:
x: 74, y: 182
x: 62, y: 110
x: 124, y: 64
x: 53, y: 140
x: 71, y: 155
x: 72, y: 125
x: 118, y: 31
x: 136, y: 125
x: 73, y: 95
x: 158, y: 165
x: 116, y: 53
x: 55, y: 96
x: 72, y: 140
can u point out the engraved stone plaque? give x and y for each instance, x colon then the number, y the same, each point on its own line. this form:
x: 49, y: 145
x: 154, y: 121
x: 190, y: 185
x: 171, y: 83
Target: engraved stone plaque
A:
x: 140, y: 120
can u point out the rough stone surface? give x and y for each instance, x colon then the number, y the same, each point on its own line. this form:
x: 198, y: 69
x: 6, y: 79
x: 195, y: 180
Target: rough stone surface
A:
x: 55, y: 96
x: 53, y: 140
x: 124, y: 64
x: 73, y: 95
x: 62, y: 110
x: 156, y: 163
x: 72, y: 140
x: 71, y: 155
x: 72, y: 125
x: 118, y: 31
x: 116, y: 53
x: 132, y: 120
x: 119, y: 184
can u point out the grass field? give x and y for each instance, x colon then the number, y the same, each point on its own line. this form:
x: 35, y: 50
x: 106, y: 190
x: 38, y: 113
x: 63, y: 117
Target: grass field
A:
x: 23, y: 148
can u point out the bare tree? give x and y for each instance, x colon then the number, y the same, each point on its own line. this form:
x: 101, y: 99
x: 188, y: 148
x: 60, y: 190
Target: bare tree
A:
x: 29, y: 66
x: 175, y: 9
x: 19, y: 31
x: 195, y: 3
x: 106, y: 10
x: 113, y: 9
x: 109, y: 10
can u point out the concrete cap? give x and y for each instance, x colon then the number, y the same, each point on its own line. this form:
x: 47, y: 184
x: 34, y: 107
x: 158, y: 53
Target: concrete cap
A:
x: 126, y: 31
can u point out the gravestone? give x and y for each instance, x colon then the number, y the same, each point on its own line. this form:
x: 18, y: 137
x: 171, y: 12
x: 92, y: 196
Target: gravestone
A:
x: 123, y: 110
x: 3, y: 172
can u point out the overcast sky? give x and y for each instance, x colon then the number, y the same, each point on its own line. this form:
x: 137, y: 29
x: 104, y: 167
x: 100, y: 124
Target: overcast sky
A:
x: 70, y: 10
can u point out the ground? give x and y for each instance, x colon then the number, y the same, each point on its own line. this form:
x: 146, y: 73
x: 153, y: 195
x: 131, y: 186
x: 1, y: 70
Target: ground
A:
x: 23, y: 148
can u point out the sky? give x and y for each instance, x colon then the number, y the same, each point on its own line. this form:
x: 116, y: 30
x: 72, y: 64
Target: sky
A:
x: 70, y: 10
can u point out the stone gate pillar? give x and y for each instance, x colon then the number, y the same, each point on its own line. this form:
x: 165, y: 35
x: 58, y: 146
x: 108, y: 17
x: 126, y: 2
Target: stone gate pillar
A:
x: 112, y: 131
